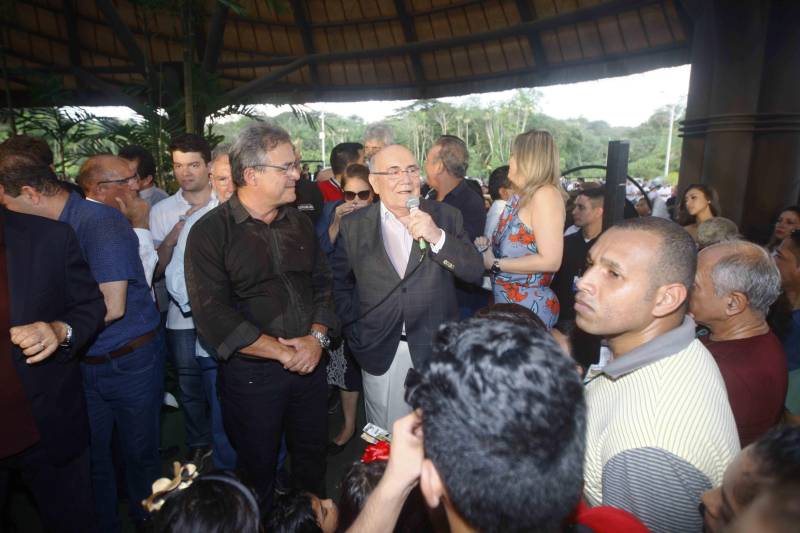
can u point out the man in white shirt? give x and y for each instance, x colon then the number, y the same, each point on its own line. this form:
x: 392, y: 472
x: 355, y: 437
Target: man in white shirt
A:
x: 223, y: 455
x: 191, y: 156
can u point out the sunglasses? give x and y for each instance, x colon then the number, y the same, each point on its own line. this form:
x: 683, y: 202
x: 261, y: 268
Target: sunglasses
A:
x: 362, y: 195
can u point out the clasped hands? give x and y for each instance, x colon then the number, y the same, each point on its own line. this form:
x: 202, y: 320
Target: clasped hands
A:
x: 483, y: 243
x: 300, y: 354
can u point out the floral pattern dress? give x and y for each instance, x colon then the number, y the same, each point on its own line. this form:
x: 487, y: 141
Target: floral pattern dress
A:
x: 513, y: 238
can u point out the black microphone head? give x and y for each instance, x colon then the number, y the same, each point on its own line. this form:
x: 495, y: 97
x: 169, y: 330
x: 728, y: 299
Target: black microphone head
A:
x: 412, y: 202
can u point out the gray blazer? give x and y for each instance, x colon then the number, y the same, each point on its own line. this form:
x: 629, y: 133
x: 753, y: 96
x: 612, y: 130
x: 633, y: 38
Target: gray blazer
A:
x: 363, y: 274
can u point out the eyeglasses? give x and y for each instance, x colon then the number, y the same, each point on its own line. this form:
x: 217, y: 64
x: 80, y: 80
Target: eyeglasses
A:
x: 394, y: 172
x: 127, y: 180
x: 285, y: 169
x: 362, y: 195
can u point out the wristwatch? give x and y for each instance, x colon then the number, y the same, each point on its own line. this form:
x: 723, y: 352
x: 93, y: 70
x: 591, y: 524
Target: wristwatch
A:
x: 495, y: 270
x: 67, y: 337
x: 323, y: 339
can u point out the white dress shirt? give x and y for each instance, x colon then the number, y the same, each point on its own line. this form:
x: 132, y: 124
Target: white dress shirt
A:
x: 163, y: 217
x: 175, y: 277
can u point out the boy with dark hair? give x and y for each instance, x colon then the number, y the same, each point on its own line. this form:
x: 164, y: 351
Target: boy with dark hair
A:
x: 143, y: 164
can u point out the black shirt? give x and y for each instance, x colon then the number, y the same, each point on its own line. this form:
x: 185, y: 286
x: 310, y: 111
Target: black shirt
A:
x: 472, y: 207
x: 246, y: 278
x: 575, y: 251
x: 309, y: 199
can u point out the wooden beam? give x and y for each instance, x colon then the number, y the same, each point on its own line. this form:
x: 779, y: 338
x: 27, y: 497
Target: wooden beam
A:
x: 527, y: 14
x: 299, y: 10
x: 72, y: 33
x: 410, y: 34
x: 215, y: 38
x: 124, y: 98
x: 579, y: 15
x: 123, y: 35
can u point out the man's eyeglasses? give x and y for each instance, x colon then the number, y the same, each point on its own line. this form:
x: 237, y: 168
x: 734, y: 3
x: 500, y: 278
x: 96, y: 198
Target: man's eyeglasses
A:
x: 129, y: 180
x: 362, y: 195
x: 395, y: 172
x: 285, y: 169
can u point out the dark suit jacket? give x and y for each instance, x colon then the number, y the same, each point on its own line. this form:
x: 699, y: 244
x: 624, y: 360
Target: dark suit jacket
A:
x: 49, y: 280
x: 363, y: 274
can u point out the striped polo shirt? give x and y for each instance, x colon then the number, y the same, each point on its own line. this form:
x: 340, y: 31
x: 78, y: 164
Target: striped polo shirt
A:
x: 660, y: 431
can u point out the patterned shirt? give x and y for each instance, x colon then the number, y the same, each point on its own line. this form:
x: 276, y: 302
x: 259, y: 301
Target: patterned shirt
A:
x: 660, y: 431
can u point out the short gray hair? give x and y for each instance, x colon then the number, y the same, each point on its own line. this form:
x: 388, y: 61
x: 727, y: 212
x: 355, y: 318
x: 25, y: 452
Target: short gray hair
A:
x: 716, y: 229
x: 220, y: 150
x: 251, y: 147
x: 453, y: 154
x: 380, y: 131
x: 749, y: 269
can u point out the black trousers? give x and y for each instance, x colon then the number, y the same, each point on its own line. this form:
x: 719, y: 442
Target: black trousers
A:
x: 63, y: 493
x: 261, y: 401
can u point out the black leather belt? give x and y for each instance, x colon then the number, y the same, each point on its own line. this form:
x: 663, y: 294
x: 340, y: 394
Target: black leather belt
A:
x: 403, y: 337
x: 135, y: 344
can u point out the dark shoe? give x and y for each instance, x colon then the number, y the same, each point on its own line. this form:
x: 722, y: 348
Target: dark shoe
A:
x: 200, y: 457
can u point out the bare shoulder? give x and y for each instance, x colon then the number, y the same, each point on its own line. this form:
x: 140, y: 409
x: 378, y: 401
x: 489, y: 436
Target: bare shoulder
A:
x: 548, y: 199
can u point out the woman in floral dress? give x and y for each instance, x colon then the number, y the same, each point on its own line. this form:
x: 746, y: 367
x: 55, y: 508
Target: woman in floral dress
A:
x: 526, y: 248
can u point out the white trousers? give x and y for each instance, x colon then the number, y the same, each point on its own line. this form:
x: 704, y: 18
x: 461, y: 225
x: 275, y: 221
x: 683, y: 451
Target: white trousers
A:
x: 384, y: 395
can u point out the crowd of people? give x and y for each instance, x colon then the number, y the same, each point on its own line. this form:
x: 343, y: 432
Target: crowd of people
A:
x: 537, y: 370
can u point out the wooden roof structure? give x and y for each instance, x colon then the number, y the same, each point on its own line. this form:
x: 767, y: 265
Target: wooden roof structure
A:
x: 337, y: 50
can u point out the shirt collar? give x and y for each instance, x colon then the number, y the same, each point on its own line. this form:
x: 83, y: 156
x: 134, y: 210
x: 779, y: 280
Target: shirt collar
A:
x: 661, y: 347
x: 388, y: 216
x: 458, y: 190
x: 73, y: 199
x: 240, y: 213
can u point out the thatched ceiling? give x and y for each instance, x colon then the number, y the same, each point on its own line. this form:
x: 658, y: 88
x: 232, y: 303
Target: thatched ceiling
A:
x: 337, y: 50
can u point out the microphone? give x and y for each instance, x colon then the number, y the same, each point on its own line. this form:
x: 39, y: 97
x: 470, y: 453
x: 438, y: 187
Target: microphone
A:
x: 413, y: 204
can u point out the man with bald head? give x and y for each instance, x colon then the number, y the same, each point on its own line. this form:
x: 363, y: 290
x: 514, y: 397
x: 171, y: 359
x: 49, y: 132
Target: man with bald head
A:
x: 122, y: 193
x: 736, y: 283
x: 123, y: 369
x: 394, y: 279
x: 660, y: 430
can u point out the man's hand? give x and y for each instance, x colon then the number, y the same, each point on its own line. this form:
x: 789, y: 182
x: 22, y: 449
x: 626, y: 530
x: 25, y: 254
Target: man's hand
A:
x: 38, y: 340
x: 405, y: 458
x: 421, y: 225
x: 136, y: 210
x: 307, y: 354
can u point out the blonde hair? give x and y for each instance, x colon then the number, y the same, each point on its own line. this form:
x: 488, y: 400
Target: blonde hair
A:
x: 537, y: 159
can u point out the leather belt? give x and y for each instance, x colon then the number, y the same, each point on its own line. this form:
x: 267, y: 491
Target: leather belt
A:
x: 135, y: 344
x: 403, y: 337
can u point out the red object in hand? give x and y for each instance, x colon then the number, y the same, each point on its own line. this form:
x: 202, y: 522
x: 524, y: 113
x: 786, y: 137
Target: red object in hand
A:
x: 376, y: 452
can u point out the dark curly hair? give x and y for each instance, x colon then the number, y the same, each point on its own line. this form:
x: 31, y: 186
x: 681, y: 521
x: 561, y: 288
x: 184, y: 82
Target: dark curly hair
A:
x: 504, y: 420
x: 293, y: 513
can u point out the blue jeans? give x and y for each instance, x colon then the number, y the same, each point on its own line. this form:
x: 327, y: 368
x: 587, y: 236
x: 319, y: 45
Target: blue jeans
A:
x: 125, y: 392
x: 224, y: 454
x: 193, y: 401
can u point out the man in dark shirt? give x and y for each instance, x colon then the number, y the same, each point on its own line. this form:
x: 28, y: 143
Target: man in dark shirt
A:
x: 261, y: 298
x: 588, y: 216
x: 736, y: 283
x: 446, y: 169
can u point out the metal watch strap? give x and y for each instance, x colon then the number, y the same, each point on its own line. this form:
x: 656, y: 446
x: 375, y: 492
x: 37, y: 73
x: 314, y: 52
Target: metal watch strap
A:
x: 323, y: 339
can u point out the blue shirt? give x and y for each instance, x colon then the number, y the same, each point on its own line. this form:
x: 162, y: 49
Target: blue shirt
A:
x: 791, y: 343
x: 111, y: 248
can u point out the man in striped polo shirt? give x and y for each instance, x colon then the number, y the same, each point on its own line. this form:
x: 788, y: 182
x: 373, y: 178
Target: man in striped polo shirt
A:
x: 660, y: 429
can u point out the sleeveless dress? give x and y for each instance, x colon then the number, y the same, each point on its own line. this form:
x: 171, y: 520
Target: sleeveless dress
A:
x: 513, y: 238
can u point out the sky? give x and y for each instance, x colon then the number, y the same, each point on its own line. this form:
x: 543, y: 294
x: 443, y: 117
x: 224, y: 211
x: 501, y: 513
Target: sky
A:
x: 622, y: 101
